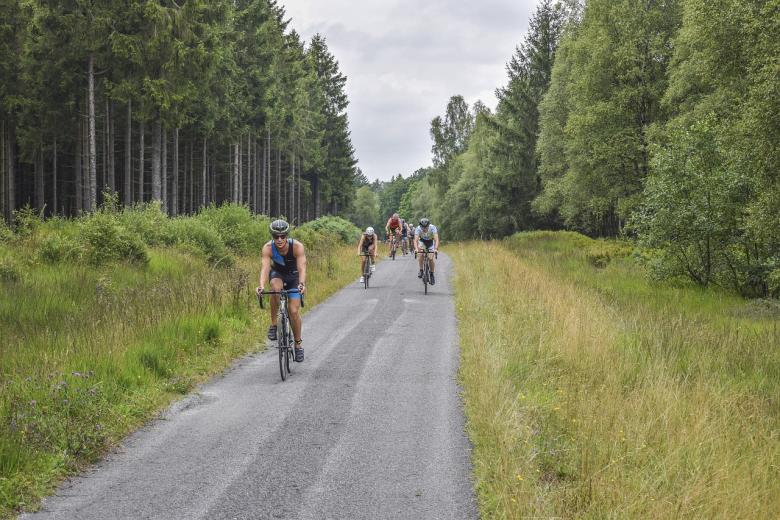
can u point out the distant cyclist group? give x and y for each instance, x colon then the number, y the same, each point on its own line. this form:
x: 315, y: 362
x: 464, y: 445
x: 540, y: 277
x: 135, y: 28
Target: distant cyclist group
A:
x: 284, y: 268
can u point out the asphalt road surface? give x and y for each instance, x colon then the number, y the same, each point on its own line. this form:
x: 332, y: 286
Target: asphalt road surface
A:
x: 369, y: 426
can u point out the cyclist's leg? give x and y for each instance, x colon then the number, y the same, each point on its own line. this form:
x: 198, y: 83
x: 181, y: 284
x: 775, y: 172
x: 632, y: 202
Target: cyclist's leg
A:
x: 294, y: 309
x: 372, y: 252
x: 294, y: 306
x: 276, y: 284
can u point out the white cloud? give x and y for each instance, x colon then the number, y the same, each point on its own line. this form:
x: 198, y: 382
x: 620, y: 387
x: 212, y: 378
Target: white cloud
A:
x: 404, y: 59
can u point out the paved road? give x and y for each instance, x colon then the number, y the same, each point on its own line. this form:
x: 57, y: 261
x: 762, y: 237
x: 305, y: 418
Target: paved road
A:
x: 369, y: 426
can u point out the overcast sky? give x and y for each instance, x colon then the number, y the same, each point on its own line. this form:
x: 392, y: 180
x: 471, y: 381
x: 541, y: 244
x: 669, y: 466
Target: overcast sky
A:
x: 404, y: 59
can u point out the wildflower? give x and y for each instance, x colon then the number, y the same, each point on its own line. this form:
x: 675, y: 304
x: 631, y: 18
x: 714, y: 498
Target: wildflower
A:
x: 519, y: 477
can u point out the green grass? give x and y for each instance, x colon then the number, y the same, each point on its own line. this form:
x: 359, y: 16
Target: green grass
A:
x: 91, y: 352
x: 592, y: 392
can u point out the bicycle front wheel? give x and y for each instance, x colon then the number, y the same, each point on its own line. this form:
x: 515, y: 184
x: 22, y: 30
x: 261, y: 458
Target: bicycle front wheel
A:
x: 284, y: 361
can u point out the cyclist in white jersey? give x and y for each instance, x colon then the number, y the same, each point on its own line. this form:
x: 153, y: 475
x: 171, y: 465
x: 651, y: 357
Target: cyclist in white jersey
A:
x: 426, y: 238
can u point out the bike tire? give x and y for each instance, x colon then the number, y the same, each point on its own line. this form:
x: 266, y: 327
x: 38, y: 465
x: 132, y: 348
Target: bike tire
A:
x: 290, y: 353
x: 425, y: 279
x: 284, y: 359
x: 282, y: 354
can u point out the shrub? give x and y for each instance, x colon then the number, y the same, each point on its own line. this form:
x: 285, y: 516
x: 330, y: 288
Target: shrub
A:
x: 106, y: 240
x: 202, y: 238
x: 774, y: 283
x: 237, y: 227
x: 148, y: 222
x: 9, y: 270
x: 344, y: 230
x: 58, y: 247
x: 27, y: 220
x: 5, y: 232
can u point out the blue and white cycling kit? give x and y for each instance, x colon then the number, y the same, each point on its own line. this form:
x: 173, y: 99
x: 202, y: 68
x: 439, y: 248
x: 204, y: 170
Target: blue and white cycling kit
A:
x: 426, y: 236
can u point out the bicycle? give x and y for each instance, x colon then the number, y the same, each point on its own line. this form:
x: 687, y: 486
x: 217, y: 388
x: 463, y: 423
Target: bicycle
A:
x: 367, y: 268
x: 426, y: 277
x: 284, y: 336
x: 404, y: 247
x: 393, y: 246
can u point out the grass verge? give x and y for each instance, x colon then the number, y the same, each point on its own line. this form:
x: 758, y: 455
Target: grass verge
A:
x: 593, y: 393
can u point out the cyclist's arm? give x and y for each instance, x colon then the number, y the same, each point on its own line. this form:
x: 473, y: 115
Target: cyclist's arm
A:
x: 265, y: 268
x: 436, y: 241
x: 360, y: 244
x: 300, y: 260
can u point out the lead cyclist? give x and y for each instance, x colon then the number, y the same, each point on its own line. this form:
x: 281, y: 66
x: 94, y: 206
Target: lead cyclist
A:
x: 426, y: 238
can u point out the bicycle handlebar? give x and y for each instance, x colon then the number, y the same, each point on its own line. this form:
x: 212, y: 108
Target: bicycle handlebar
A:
x: 283, y: 291
x: 426, y: 253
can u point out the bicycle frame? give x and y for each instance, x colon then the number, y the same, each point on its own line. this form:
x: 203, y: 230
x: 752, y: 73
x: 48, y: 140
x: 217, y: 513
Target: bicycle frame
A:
x: 426, y: 277
x: 284, y: 330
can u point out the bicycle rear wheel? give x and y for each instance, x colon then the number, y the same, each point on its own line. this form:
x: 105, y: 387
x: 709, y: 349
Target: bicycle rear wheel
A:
x: 426, y: 278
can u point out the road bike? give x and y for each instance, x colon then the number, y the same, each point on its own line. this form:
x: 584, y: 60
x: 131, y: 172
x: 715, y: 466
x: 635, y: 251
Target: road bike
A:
x: 426, y: 277
x: 393, y: 246
x: 367, y: 268
x: 284, y: 336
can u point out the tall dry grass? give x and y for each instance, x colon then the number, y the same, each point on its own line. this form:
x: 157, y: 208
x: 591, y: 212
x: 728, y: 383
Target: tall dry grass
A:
x: 583, y: 401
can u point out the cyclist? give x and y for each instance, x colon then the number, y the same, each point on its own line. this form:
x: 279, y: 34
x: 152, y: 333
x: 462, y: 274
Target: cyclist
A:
x: 426, y: 238
x: 393, y: 227
x: 410, y: 236
x: 367, y: 245
x: 405, y: 236
x: 284, y: 259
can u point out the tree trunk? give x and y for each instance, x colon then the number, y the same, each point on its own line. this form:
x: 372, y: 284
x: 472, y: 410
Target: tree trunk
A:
x: 175, y: 184
x: 141, y: 132
x: 316, y: 193
x: 38, y: 176
x: 127, y: 196
x: 235, y: 173
x: 291, y: 203
x: 156, y: 177
x: 278, y: 182
x: 77, y: 168
x: 92, y: 182
x: 255, y: 200
x: 54, y: 178
x: 299, y: 215
x: 111, y: 156
x: 164, y: 171
x: 248, y: 177
x: 3, y: 178
x: 10, y: 156
x: 204, y: 173
x: 192, y: 176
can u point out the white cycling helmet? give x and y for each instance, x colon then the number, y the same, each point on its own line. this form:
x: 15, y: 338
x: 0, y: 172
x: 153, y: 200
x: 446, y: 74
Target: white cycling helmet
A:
x: 369, y: 231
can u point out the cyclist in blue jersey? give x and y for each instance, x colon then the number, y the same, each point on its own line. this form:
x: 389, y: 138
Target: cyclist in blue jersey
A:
x: 405, y: 244
x: 426, y: 238
x: 284, y: 262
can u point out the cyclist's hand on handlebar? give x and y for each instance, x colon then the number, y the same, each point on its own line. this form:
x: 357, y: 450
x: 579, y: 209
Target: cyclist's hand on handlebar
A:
x: 259, y: 291
x: 302, y: 288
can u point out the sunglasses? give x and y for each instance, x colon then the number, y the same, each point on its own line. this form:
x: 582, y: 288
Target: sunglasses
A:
x: 280, y: 237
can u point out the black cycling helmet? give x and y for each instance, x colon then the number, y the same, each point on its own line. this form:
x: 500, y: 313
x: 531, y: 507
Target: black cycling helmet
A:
x: 424, y: 222
x: 279, y: 227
